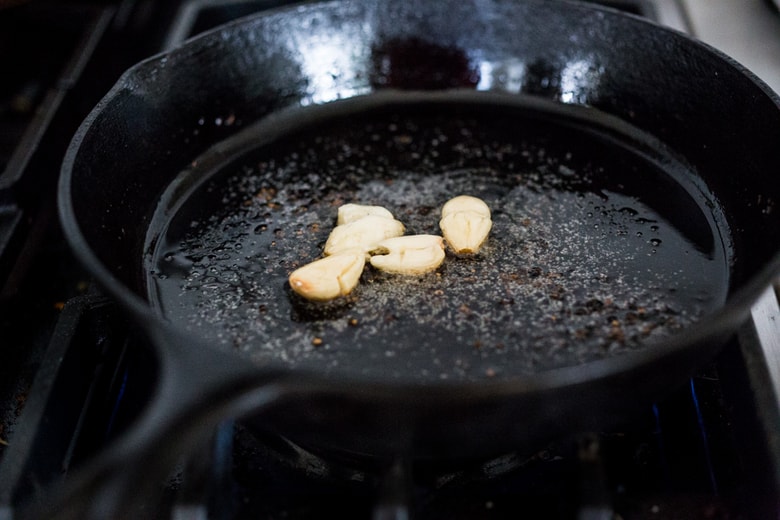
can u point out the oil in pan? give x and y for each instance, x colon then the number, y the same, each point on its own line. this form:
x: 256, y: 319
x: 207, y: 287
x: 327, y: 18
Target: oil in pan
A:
x: 602, y: 242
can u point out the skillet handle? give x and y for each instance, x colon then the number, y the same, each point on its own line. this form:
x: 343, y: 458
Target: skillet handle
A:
x: 199, y: 389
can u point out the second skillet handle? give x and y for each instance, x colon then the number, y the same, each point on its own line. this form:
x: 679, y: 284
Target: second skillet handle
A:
x: 198, y: 389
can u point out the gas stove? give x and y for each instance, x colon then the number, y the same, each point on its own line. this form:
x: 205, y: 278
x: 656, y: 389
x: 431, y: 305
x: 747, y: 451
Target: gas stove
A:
x: 74, y: 375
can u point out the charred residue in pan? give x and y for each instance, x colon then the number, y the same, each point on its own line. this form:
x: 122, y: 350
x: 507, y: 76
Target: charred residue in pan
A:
x: 597, y: 247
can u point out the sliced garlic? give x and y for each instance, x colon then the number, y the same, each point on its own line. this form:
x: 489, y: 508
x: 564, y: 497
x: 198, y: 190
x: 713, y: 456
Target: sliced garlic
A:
x: 329, y: 277
x: 352, y: 212
x: 363, y: 234
x: 411, y: 254
x: 465, y: 223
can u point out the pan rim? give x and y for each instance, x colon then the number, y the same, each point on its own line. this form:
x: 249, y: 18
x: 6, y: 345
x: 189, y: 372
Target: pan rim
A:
x: 717, y: 326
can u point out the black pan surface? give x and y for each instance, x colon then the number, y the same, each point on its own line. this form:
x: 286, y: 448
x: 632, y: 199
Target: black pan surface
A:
x: 603, y: 240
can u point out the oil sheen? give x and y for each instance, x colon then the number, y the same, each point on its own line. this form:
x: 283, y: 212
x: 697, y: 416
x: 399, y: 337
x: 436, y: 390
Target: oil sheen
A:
x: 603, y: 242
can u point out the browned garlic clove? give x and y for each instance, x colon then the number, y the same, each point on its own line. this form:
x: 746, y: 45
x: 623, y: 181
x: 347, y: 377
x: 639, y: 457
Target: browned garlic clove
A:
x: 329, y: 277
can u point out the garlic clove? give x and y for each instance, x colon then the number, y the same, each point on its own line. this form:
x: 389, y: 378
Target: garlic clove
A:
x: 363, y: 234
x: 329, y: 277
x: 465, y: 223
x: 409, y: 255
x: 465, y: 231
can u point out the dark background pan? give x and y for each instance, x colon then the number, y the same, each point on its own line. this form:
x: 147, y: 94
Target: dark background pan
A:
x: 701, y: 105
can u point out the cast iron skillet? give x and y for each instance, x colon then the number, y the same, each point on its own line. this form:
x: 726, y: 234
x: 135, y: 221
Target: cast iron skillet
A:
x: 167, y: 111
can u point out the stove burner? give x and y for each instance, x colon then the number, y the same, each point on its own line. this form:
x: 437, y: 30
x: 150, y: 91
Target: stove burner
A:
x: 604, y: 474
x: 258, y: 449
